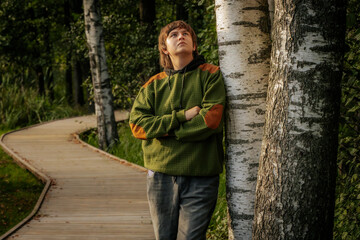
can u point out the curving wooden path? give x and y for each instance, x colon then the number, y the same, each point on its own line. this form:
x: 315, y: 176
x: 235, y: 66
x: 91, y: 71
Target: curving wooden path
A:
x: 89, y: 194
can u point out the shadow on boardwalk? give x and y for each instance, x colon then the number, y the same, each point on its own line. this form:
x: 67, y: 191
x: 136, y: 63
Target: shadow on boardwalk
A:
x: 91, y: 195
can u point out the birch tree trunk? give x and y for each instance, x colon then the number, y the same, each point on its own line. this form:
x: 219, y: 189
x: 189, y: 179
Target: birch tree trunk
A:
x: 244, y: 53
x: 104, y: 110
x: 296, y: 180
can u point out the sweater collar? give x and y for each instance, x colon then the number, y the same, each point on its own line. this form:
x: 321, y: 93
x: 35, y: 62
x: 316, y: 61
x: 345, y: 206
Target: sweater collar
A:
x: 197, y: 61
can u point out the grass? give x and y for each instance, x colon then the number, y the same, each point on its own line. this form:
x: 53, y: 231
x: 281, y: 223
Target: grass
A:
x: 19, y: 191
x: 130, y: 150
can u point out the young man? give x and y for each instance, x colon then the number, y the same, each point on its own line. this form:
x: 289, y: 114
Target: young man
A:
x: 179, y: 115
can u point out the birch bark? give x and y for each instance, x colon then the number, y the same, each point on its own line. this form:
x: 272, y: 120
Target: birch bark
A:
x: 103, y: 98
x: 244, y: 54
x: 296, y: 180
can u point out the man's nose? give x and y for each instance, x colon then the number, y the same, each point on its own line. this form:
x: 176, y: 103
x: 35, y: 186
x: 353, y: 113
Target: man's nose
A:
x: 181, y: 36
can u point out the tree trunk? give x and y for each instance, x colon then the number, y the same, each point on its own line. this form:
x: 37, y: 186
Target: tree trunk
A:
x: 147, y: 11
x: 244, y: 54
x: 77, y: 83
x: 296, y: 180
x: 68, y: 80
x: 181, y: 12
x: 107, y: 132
x: 68, y: 72
x: 50, y: 83
x: 41, y: 80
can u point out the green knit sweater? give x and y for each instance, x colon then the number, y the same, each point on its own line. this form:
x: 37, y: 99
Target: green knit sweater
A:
x: 171, y: 144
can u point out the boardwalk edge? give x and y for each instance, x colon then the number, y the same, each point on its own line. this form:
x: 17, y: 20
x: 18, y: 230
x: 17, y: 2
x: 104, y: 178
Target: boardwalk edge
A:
x: 76, y: 137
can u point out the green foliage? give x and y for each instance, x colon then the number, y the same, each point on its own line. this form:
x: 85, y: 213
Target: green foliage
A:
x: 19, y: 191
x: 347, y: 206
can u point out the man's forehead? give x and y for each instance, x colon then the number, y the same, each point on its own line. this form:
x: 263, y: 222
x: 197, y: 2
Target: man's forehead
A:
x: 179, y: 29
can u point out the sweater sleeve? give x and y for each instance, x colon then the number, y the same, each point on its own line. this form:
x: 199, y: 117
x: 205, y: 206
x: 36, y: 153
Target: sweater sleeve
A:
x: 210, y: 118
x: 145, y: 124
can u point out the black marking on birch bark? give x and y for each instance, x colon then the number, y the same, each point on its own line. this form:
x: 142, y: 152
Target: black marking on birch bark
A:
x: 265, y: 25
x: 245, y: 24
x: 236, y: 75
x: 239, y: 153
x: 255, y: 125
x: 221, y: 54
x: 105, y: 83
x: 228, y: 43
x: 251, y: 179
x: 299, y: 104
x: 242, y: 216
x: 241, y: 106
x: 248, y: 96
x: 324, y: 49
x: 261, y: 56
x: 238, y: 190
x: 253, y: 165
x: 237, y: 141
x: 260, y: 8
x: 311, y: 120
x: 260, y: 111
x: 301, y: 64
x: 296, y: 129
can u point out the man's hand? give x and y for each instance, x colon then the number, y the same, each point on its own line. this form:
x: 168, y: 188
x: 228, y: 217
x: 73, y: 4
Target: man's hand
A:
x: 192, y: 112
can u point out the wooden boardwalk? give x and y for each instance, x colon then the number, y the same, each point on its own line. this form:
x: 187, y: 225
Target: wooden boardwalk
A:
x: 91, y: 195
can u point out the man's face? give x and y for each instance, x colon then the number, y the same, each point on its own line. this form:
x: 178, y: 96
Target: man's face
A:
x: 179, y: 42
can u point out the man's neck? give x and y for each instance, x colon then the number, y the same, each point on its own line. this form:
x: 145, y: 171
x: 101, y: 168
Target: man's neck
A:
x: 179, y: 62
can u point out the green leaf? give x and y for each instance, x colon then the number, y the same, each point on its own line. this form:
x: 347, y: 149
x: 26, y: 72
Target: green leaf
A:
x: 354, y: 108
x: 357, y: 35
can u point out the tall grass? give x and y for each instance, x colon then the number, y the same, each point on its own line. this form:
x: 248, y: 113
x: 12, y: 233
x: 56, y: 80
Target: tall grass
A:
x: 129, y: 148
x: 22, y: 106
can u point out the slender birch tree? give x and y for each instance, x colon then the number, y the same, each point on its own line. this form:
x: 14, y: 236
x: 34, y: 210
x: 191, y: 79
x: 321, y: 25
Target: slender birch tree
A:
x: 107, y: 132
x: 296, y: 180
x: 244, y: 53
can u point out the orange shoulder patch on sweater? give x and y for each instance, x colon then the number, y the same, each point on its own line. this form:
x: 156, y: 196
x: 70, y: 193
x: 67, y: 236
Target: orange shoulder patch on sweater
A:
x: 138, y: 131
x: 209, y: 67
x: 213, y: 116
x: 155, y: 77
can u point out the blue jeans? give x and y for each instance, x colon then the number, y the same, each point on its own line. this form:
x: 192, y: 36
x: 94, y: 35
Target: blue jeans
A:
x: 181, y: 206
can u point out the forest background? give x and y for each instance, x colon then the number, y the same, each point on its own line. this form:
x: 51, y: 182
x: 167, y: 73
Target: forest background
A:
x: 44, y: 73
